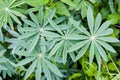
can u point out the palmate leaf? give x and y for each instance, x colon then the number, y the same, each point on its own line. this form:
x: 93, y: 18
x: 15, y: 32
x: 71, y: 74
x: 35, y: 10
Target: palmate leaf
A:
x: 39, y: 63
x: 8, y: 13
x: 98, y: 37
x: 65, y: 40
x: 33, y: 29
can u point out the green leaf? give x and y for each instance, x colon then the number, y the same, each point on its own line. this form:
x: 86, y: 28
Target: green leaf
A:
x: 69, y: 2
x: 111, y: 4
x: 36, y: 3
x: 61, y: 9
x: 111, y: 66
x: 83, y: 6
x: 53, y: 68
x: 90, y: 19
x: 75, y: 75
x: 30, y: 69
x: 114, y: 17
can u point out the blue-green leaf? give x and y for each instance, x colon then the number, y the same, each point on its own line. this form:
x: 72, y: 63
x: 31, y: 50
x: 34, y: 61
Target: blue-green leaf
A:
x: 53, y: 68
x: 97, y: 22
x: 109, y: 39
x: 101, y: 51
x: 106, y: 46
x: 30, y: 69
x: 46, y: 70
x: 91, y: 52
x: 90, y: 19
x: 82, y: 51
x: 25, y: 61
x: 78, y: 45
x: 56, y: 47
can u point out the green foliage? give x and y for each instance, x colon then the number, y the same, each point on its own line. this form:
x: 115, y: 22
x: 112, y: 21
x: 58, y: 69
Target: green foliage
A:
x: 59, y: 40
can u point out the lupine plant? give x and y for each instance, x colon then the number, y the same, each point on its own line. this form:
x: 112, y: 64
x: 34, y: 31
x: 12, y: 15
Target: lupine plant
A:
x: 59, y: 40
